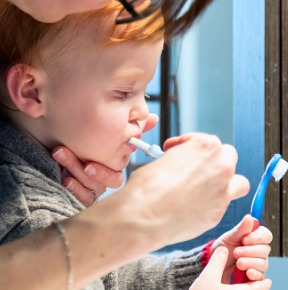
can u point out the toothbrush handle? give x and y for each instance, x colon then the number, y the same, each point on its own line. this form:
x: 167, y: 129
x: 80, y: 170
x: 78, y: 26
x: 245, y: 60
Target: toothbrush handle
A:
x: 239, y: 276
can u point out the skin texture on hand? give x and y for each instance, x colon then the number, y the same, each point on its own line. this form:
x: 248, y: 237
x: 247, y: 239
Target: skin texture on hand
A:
x: 210, y: 176
x: 211, y: 276
x: 55, y: 10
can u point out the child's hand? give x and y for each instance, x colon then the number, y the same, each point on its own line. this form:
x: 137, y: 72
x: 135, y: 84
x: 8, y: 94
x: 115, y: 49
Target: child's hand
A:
x: 250, y: 249
x: 211, y: 276
x: 55, y: 10
x: 92, y: 176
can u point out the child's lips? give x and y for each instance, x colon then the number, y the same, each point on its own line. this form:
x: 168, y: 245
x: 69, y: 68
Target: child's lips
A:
x: 133, y: 147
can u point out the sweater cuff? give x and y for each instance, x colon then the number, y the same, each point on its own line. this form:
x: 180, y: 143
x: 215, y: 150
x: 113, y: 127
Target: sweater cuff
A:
x: 205, y: 255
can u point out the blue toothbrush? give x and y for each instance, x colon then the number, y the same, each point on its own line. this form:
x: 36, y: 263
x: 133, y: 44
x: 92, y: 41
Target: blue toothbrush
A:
x: 276, y: 167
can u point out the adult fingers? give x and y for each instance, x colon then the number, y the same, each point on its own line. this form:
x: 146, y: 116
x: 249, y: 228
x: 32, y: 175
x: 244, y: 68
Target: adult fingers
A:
x: 83, y: 194
x: 149, y: 123
x: 238, y: 186
x: 101, y: 173
x: 177, y: 140
x: 93, y: 176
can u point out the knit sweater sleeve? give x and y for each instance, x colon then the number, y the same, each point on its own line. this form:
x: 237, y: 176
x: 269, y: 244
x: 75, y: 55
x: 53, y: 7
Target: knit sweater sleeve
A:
x: 176, y: 270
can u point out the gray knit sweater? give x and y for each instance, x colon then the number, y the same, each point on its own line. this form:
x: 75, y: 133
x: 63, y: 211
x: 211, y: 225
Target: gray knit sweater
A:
x: 32, y: 197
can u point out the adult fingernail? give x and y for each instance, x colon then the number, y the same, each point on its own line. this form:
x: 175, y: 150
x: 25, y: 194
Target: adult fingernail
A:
x: 69, y: 186
x: 59, y: 155
x: 90, y: 170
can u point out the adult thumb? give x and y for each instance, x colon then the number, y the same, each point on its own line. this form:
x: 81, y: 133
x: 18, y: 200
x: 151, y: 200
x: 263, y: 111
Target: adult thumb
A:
x: 215, y: 268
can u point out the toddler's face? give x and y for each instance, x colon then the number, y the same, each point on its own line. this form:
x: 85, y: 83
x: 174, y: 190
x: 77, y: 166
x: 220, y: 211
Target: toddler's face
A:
x: 94, y: 99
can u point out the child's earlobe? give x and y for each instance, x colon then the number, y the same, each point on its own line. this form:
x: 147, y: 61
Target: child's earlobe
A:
x: 22, y: 88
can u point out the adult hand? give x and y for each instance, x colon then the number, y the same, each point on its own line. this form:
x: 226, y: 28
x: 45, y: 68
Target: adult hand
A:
x: 187, y: 191
x: 211, y: 276
x: 54, y: 10
x: 250, y: 249
x: 81, y: 178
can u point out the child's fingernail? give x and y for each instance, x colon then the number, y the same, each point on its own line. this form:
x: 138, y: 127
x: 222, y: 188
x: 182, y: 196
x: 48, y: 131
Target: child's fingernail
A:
x: 90, y: 170
x: 238, y: 251
x: 59, y: 155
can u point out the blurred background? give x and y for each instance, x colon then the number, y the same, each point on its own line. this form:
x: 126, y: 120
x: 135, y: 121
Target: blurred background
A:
x: 212, y: 80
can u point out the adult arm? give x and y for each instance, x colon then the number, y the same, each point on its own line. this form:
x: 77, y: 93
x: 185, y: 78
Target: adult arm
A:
x: 155, y: 208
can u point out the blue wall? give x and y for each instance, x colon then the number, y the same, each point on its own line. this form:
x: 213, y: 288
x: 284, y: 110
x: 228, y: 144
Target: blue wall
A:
x: 222, y: 83
x: 221, y: 87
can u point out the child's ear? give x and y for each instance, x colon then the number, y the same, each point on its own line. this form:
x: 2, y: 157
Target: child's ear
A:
x: 22, y: 82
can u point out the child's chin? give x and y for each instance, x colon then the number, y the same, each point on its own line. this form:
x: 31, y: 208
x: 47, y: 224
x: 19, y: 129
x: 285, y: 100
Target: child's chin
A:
x: 119, y: 166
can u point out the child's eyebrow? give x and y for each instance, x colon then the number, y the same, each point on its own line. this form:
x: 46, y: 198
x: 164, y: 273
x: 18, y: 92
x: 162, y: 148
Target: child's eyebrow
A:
x: 128, y: 74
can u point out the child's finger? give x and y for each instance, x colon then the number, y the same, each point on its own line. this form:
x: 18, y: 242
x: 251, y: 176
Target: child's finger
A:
x: 257, y: 251
x: 260, y: 236
x: 255, y: 275
x: 244, y: 227
x: 252, y: 263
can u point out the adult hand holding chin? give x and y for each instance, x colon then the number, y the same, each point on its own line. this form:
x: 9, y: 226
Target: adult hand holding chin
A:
x: 80, y: 179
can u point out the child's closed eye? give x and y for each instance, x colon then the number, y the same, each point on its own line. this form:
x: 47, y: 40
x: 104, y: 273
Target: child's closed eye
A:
x: 123, y: 95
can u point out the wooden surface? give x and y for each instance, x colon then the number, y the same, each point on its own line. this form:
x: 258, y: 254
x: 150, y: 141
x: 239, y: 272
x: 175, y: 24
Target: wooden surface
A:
x: 284, y: 123
x: 276, y: 119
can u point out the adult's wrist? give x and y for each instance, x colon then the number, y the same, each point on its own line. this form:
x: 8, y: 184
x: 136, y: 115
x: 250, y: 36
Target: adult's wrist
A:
x: 105, y: 236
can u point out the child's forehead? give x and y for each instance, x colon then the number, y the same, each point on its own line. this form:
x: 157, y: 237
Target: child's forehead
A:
x: 95, y: 41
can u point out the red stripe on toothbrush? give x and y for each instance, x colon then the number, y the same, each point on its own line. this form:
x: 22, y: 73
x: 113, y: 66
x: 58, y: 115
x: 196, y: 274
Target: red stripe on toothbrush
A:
x: 239, y: 276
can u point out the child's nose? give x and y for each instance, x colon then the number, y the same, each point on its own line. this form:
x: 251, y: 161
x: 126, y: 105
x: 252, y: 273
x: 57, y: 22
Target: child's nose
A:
x: 140, y: 110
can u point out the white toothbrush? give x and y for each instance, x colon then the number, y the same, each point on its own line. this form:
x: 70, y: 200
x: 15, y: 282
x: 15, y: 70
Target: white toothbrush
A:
x: 153, y: 151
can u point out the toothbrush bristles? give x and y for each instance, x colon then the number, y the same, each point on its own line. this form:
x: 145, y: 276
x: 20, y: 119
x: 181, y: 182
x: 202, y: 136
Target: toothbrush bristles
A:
x: 280, y: 169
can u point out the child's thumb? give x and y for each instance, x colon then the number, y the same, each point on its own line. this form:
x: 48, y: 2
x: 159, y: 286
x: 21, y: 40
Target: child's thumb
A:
x: 244, y: 228
x: 215, y: 268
